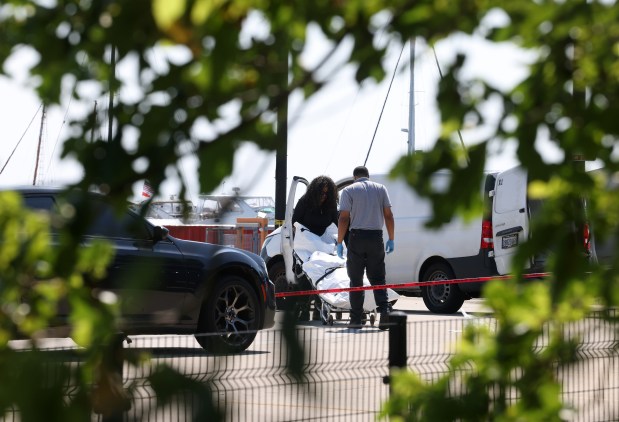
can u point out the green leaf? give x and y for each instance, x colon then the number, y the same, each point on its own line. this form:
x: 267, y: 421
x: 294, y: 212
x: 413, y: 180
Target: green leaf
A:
x: 168, y: 12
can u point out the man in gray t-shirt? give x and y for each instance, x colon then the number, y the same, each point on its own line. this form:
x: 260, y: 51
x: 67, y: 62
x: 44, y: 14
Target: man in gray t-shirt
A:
x: 364, y: 208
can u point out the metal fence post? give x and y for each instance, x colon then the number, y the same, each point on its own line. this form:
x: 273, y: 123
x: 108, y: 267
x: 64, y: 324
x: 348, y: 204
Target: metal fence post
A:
x: 111, y: 399
x: 398, y: 352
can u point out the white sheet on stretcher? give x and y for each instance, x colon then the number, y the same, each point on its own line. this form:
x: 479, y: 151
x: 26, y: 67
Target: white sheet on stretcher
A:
x: 328, y: 271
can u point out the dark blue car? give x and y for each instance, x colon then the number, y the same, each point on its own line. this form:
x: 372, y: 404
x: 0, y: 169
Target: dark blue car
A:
x: 166, y: 285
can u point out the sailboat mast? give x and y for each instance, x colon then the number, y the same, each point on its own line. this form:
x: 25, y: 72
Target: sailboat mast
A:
x: 36, y: 166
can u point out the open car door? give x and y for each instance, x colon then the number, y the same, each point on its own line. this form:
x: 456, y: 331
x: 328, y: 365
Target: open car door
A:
x: 287, y: 229
x: 510, y: 216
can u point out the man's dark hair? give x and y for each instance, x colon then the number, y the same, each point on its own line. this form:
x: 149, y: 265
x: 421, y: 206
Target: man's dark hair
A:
x: 360, y: 171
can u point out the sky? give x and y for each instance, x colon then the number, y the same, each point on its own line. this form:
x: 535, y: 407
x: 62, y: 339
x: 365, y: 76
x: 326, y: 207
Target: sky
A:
x: 329, y: 134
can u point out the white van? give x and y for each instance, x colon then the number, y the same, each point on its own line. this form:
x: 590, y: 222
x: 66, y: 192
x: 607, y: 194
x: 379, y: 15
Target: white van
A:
x: 481, y: 247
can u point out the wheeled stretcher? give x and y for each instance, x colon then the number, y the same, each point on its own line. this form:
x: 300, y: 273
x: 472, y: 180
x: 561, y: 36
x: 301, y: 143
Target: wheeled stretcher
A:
x: 317, y: 260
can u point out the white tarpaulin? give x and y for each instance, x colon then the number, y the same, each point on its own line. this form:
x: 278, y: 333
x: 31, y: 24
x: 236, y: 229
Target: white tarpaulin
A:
x: 326, y: 270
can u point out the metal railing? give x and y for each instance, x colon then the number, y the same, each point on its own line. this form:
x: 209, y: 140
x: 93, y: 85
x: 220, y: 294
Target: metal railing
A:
x: 247, y: 234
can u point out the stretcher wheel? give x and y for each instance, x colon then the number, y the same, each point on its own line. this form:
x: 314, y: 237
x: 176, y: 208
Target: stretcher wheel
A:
x: 372, y: 319
x: 325, y: 314
x: 330, y: 319
x: 338, y: 315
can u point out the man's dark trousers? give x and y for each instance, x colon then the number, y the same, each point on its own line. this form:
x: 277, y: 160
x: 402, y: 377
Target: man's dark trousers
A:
x: 366, y: 253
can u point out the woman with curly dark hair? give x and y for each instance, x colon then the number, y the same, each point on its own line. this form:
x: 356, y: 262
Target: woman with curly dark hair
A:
x: 317, y: 209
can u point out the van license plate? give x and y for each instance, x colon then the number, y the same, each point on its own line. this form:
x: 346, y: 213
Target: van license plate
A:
x: 509, y: 241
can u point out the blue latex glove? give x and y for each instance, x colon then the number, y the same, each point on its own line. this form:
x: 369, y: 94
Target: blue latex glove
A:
x: 340, y: 250
x: 389, y: 246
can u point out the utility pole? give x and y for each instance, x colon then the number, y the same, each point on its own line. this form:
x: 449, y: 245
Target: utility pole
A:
x: 281, y: 164
x: 411, y: 101
x: 281, y: 154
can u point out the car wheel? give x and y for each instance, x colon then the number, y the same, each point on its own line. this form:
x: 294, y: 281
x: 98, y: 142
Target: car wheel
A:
x: 233, y: 310
x: 442, y: 298
x: 277, y: 274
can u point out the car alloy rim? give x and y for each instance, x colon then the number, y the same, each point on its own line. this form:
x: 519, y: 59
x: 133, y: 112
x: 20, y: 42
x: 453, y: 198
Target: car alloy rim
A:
x: 234, y: 313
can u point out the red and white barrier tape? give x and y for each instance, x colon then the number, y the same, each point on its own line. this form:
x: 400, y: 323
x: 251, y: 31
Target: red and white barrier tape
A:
x: 405, y: 285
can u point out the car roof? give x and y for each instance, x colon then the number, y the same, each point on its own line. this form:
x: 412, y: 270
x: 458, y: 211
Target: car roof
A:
x: 32, y: 189
x: 43, y: 190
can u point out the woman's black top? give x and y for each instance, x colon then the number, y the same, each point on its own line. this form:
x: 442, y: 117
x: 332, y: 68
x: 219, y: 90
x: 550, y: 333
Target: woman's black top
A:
x: 315, y: 219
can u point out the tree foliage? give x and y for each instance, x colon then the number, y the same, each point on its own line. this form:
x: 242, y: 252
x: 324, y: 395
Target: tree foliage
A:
x: 225, y: 64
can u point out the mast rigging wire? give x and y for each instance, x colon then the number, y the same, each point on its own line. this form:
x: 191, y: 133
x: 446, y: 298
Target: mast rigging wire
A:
x: 64, y: 120
x: 20, y: 139
x: 466, y: 154
x: 384, y: 104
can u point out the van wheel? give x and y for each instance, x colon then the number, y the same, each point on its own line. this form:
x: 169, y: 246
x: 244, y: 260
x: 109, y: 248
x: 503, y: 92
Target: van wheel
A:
x: 442, y: 298
x: 231, y: 310
x: 277, y: 274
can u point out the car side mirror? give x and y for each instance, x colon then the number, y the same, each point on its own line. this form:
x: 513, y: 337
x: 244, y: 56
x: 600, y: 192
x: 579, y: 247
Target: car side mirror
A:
x: 161, y: 233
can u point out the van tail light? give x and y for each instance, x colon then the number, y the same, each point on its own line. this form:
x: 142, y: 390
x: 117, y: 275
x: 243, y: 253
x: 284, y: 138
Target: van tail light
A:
x: 586, y: 237
x: 487, y: 241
